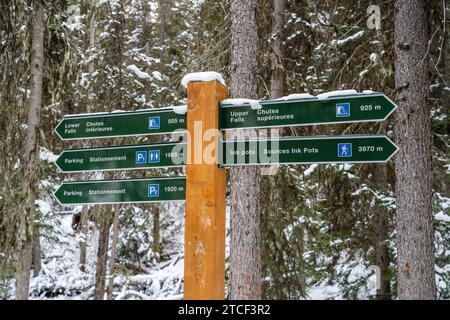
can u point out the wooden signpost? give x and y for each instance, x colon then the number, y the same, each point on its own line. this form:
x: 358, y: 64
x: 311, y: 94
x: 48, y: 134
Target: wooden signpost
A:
x: 206, y: 157
x: 204, y: 246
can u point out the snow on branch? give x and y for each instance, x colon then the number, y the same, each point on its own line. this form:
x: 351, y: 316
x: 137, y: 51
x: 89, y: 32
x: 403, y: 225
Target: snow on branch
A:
x: 138, y: 72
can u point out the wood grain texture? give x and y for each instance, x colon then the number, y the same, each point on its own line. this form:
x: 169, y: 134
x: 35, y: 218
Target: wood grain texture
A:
x: 204, y: 263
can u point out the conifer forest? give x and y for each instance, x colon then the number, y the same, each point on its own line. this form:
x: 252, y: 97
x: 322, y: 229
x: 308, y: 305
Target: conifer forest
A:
x: 109, y: 214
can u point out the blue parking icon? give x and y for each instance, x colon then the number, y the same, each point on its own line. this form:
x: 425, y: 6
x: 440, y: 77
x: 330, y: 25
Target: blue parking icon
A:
x: 141, y: 157
x: 344, y: 150
x: 154, y: 122
x: 154, y: 156
x: 153, y: 190
x: 342, y: 110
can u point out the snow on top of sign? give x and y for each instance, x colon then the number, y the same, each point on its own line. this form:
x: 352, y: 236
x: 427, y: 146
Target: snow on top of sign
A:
x: 327, y: 95
x: 85, y: 114
x: 138, y: 72
x: 296, y: 96
x: 116, y: 111
x: 180, y: 109
x: 254, y: 104
x: 202, y: 77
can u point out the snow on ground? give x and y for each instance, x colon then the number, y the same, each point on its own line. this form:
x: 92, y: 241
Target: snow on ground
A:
x: 164, y: 281
x: 324, y: 291
x: 61, y: 277
x: 351, y: 270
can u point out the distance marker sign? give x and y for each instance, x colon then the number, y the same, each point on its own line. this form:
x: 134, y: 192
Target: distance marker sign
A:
x: 120, y: 124
x: 362, y: 107
x: 342, y: 149
x: 123, y: 158
x: 122, y: 191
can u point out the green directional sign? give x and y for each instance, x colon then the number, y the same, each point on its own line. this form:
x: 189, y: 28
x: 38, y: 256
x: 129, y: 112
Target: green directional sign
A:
x: 122, y: 191
x: 359, y: 107
x: 123, y: 158
x: 342, y: 149
x: 120, y: 124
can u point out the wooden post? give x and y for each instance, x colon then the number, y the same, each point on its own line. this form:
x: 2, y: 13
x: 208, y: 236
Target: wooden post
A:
x: 204, y: 248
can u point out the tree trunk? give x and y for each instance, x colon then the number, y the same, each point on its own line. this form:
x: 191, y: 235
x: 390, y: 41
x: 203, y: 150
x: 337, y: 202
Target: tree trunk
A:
x: 381, y: 222
x: 443, y: 66
x: 416, y: 276
x: 85, y: 211
x: 37, y: 264
x: 26, y: 223
x: 163, y: 6
x: 162, y: 33
x: 245, y: 256
x: 276, y: 183
x: 102, y: 257
x: 277, y: 55
x: 160, y: 103
x: 156, y: 232
x: 83, y: 243
x: 381, y: 235
x: 112, y: 259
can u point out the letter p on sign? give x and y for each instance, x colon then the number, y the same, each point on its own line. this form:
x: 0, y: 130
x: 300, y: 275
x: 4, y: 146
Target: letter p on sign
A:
x: 153, y: 190
x: 141, y: 157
